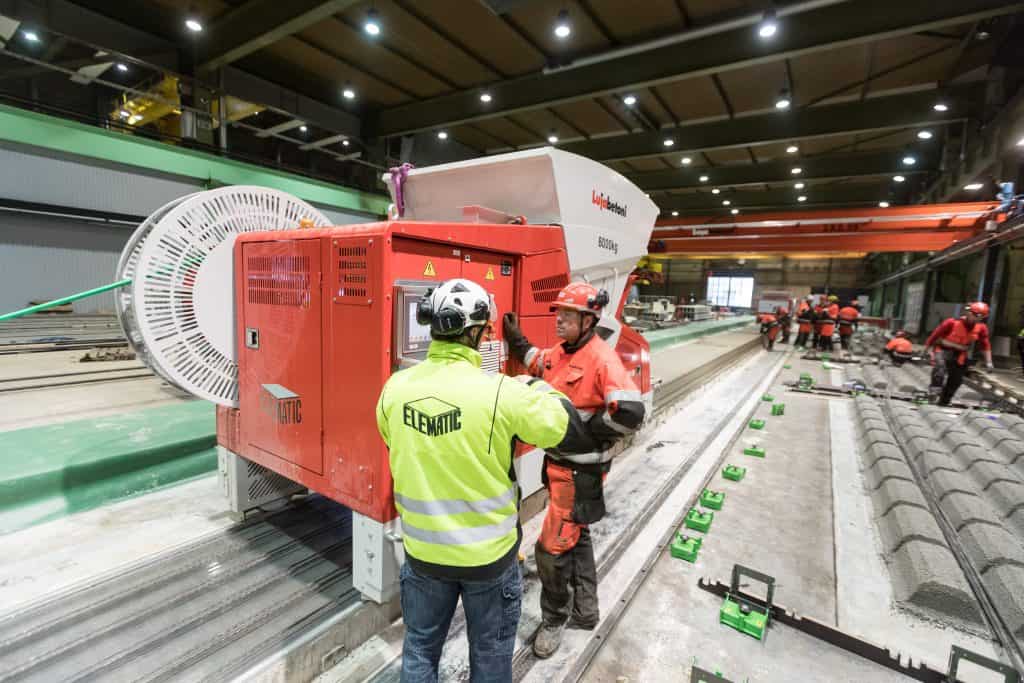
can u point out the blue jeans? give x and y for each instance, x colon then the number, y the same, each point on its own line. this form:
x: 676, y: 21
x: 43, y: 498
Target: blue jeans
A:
x: 492, y: 616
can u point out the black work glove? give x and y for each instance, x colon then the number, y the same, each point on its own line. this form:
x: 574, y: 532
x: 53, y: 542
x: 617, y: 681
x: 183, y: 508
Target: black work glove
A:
x: 518, y: 344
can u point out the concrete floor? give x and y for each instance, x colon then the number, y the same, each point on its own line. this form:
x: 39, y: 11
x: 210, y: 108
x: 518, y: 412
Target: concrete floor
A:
x: 778, y: 520
x: 33, y: 407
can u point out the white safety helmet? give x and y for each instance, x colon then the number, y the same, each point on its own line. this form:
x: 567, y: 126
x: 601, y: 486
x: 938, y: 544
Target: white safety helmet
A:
x: 454, y: 307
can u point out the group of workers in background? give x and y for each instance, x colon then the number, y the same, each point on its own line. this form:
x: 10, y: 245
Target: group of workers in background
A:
x: 820, y: 317
x: 455, y: 488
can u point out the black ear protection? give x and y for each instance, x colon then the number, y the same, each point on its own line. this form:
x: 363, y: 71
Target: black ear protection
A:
x: 598, y: 302
x: 424, y: 309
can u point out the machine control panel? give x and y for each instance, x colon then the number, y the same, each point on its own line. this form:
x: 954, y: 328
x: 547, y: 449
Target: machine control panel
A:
x: 411, y: 338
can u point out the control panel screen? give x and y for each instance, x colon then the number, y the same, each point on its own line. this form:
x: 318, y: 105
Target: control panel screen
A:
x: 416, y: 334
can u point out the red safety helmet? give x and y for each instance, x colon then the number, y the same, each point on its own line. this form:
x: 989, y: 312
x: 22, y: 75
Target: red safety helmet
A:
x: 579, y: 296
x: 979, y: 308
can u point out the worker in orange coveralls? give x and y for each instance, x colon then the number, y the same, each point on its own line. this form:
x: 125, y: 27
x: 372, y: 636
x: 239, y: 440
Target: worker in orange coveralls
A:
x: 899, y: 348
x: 804, y: 321
x: 956, y: 338
x: 769, y: 330
x: 590, y: 373
x: 830, y: 316
x: 819, y: 319
x: 848, y: 316
x: 785, y: 322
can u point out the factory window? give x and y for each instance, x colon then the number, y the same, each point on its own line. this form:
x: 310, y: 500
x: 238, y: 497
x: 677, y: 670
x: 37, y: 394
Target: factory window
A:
x: 737, y: 292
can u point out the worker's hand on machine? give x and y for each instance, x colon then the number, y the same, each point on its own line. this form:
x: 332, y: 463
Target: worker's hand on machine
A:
x: 510, y: 327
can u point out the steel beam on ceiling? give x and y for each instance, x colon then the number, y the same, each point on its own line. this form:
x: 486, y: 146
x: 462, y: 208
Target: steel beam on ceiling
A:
x: 876, y: 113
x: 279, y: 128
x: 914, y: 240
x: 703, y: 202
x: 826, y: 28
x: 324, y: 142
x: 887, y: 162
x: 915, y: 216
x: 259, y: 23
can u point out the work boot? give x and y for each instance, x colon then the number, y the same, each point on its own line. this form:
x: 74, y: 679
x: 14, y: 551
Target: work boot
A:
x: 549, y: 637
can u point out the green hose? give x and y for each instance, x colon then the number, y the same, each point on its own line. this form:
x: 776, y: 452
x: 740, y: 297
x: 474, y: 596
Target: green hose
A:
x: 65, y: 300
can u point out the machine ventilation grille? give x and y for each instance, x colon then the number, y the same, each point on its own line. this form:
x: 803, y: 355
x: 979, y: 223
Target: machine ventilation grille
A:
x: 546, y: 289
x: 278, y: 280
x: 492, y: 354
x: 353, y: 274
x: 183, y: 289
x: 264, y: 484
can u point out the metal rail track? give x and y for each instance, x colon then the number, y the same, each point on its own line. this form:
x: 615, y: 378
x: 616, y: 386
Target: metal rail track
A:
x: 665, y: 396
x: 39, y: 382
x: 198, y: 612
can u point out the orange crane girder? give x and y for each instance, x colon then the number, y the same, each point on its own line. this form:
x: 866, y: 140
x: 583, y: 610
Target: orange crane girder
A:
x: 907, y: 240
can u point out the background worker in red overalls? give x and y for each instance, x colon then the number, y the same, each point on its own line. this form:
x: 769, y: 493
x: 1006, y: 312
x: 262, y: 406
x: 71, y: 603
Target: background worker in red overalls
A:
x: 769, y: 330
x: 804, y: 321
x: 955, y: 339
x: 899, y: 348
x: 829, y: 317
x: 785, y: 322
x: 591, y: 375
x: 848, y: 316
x: 819, y: 319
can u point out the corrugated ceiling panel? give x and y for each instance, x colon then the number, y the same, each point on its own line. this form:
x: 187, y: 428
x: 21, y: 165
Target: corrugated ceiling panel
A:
x: 693, y: 98
x: 658, y: 17
x: 589, y: 116
x: 754, y: 88
x: 538, y: 20
x: 824, y: 72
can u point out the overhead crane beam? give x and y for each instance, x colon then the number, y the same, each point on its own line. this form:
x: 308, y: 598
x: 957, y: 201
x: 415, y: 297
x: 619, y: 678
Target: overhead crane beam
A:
x: 907, y: 240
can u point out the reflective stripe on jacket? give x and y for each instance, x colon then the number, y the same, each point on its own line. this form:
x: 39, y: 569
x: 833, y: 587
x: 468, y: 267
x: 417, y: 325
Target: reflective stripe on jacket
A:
x: 450, y: 427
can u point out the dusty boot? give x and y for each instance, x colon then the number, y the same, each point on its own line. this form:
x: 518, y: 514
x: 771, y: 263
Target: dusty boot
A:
x: 549, y: 637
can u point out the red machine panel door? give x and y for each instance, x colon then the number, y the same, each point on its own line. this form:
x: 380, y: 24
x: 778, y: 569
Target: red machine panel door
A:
x: 280, y: 357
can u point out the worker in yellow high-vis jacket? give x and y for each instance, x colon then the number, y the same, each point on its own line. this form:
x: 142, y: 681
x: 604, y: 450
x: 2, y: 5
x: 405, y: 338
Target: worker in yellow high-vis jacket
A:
x: 451, y: 430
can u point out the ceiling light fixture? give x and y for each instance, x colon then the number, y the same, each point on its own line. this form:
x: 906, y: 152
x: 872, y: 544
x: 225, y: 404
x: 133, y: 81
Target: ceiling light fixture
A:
x: 686, y: 161
x: 629, y: 100
x: 769, y: 26
x: 798, y: 186
x: 552, y: 138
x: 30, y: 36
x: 734, y: 212
x: 796, y: 170
x: 345, y: 143
x: 909, y: 160
x: 668, y: 142
x: 973, y: 187
x: 124, y: 113
x: 442, y: 135
x: 802, y: 198
x: 898, y: 178
x: 792, y: 149
x: 675, y: 213
x: 883, y: 205
x: 925, y: 135
x: 372, y: 23
x: 726, y: 202
x: 303, y: 129
x: 485, y: 97
x: 940, y: 106
x: 715, y: 191
x: 562, y: 27
x: 348, y: 94
x: 703, y: 178
x: 121, y: 67
x: 1020, y: 143
x: 193, y: 25
x: 783, y: 101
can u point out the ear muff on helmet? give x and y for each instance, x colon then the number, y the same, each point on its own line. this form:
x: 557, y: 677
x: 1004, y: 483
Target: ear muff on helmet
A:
x: 596, y: 303
x: 448, y: 322
x: 424, y: 309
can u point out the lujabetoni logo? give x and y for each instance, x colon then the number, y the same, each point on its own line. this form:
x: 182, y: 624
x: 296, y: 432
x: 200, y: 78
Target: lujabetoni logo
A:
x: 606, y: 203
x: 432, y: 416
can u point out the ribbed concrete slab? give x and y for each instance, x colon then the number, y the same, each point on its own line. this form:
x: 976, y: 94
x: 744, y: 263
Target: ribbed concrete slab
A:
x: 878, y: 452
x: 1006, y: 585
x: 926, y: 576
x: 897, y: 493
x: 989, y: 546
x: 887, y: 469
x: 900, y: 379
x: 905, y: 523
x: 987, y: 473
x: 1005, y: 497
x: 875, y: 436
x: 875, y: 378
x: 946, y: 482
x: 962, y: 509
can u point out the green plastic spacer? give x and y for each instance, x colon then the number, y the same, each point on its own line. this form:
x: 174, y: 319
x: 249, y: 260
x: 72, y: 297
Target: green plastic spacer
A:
x: 699, y: 521
x: 826, y: 356
x: 712, y: 499
x: 757, y: 424
x: 747, y: 621
x: 787, y: 366
x: 756, y: 451
x: 734, y: 472
x: 806, y: 377
x: 685, y: 547
x: 768, y: 398
x: 779, y: 409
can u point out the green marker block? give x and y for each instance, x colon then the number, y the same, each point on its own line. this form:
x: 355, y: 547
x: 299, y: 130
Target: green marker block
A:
x: 826, y: 356
x: 806, y: 377
x: 757, y: 424
x: 734, y: 472
x: 768, y: 398
x: 699, y: 521
x: 743, y: 619
x: 712, y: 499
x: 779, y: 409
x: 755, y: 451
x: 787, y: 366
x: 685, y: 547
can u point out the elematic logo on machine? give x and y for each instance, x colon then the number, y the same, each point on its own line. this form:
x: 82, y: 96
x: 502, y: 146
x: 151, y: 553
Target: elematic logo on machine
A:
x: 432, y: 416
x: 282, y: 404
x: 606, y: 203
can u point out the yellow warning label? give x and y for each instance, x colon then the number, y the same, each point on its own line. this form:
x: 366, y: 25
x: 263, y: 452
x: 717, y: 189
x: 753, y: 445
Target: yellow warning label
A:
x: 490, y: 274
x: 429, y: 270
